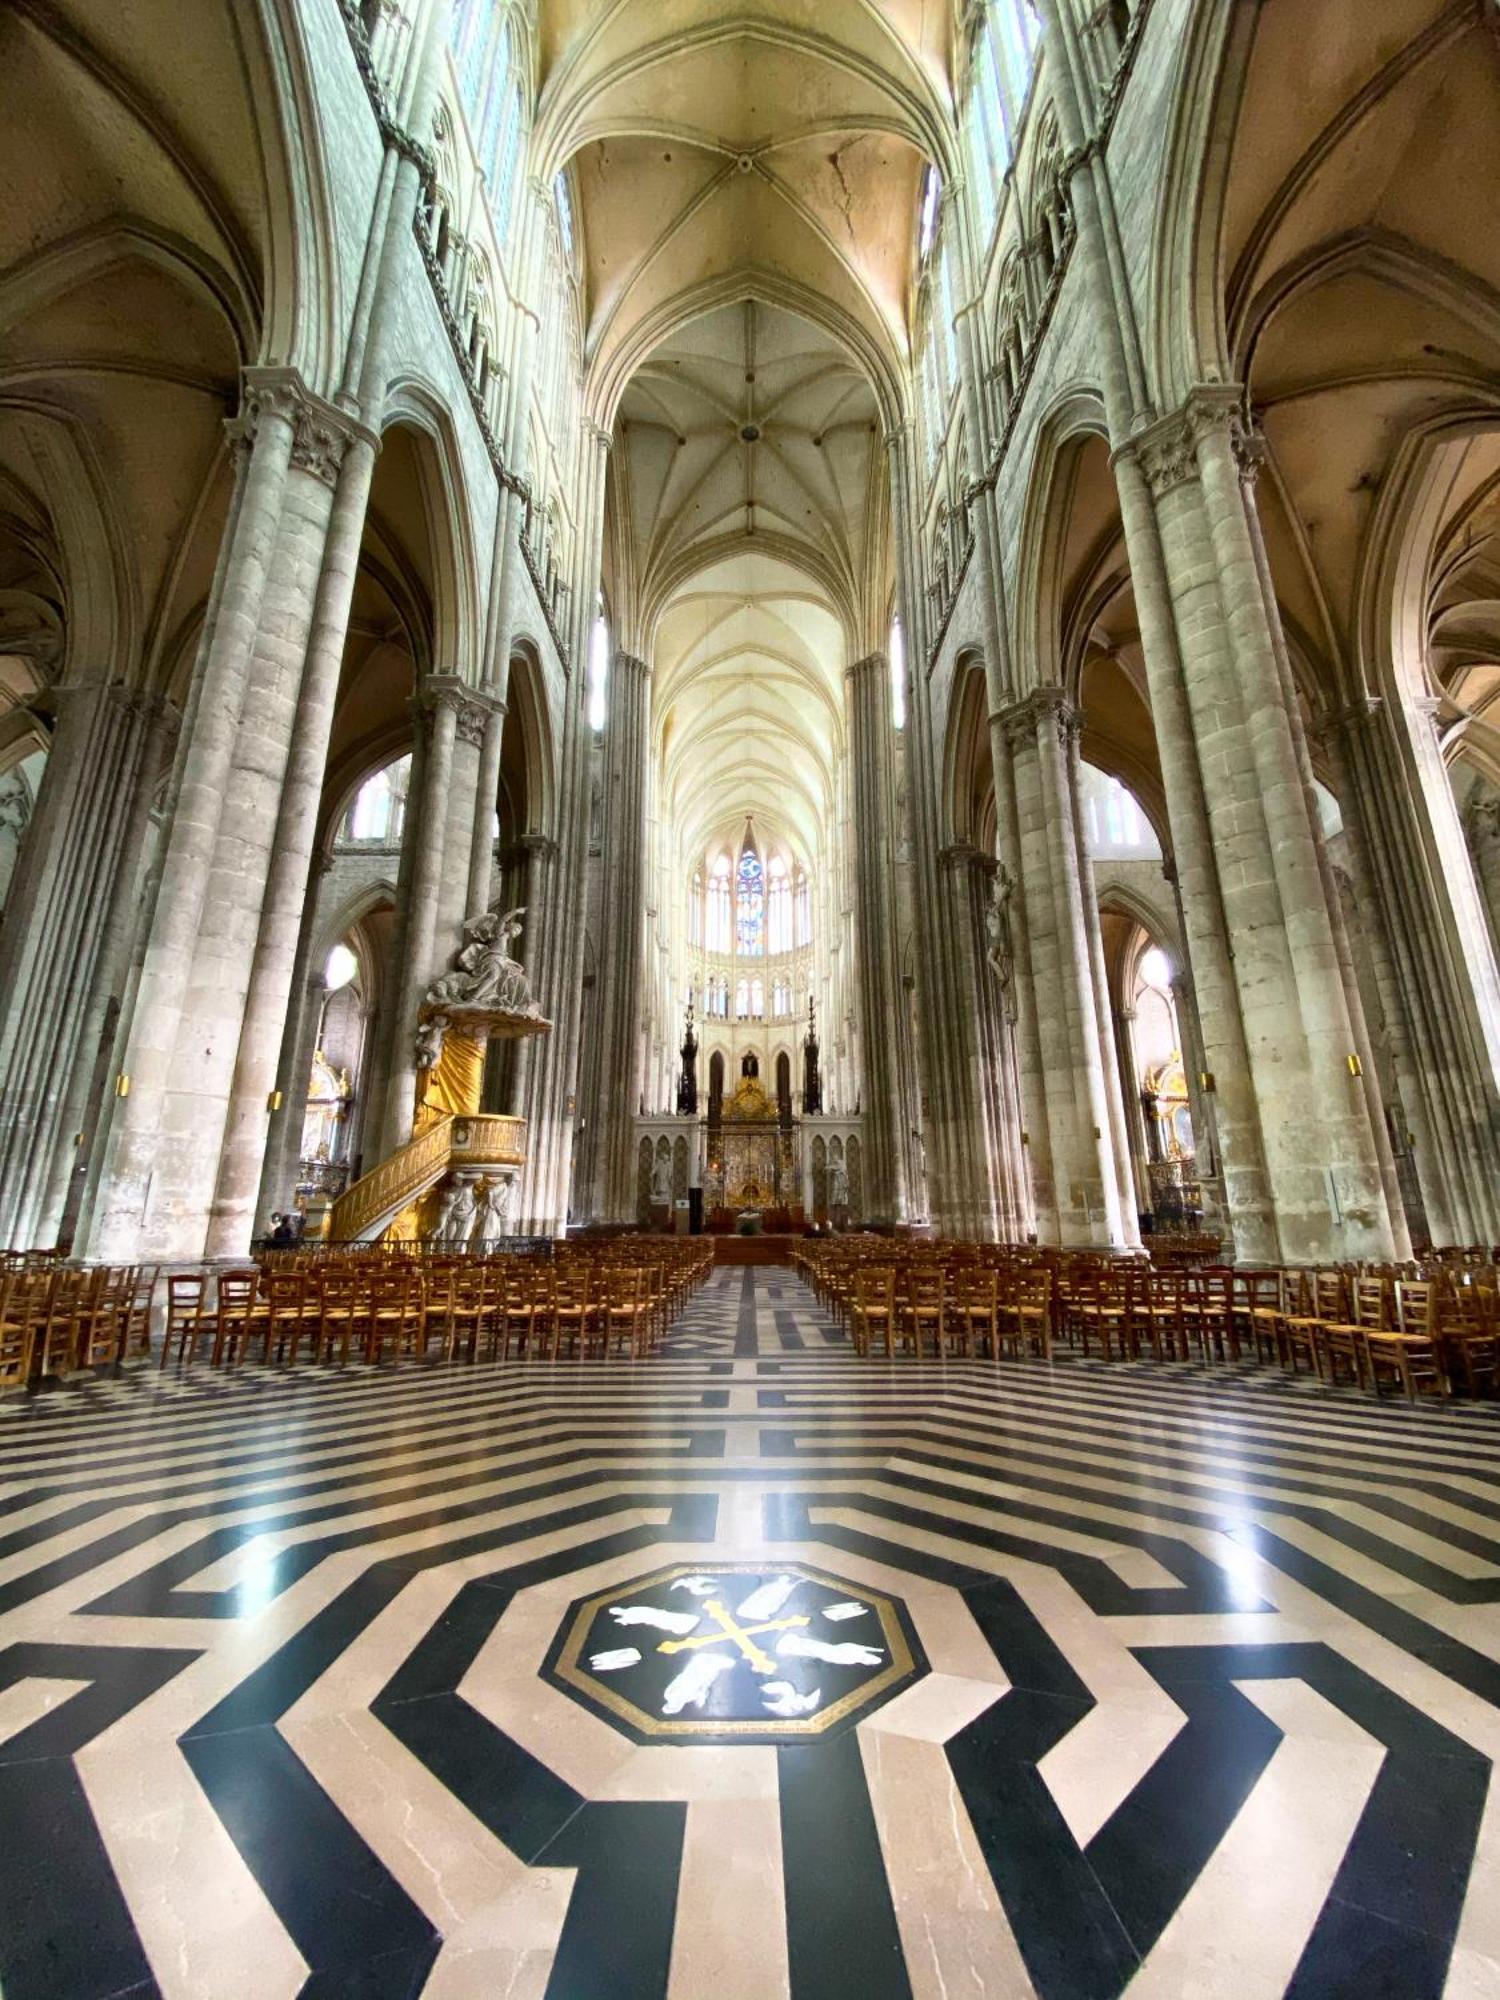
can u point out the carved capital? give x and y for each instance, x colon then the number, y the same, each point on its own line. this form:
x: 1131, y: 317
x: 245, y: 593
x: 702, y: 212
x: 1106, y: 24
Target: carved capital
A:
x: 1167, y: 454
x: 471, y: 718
x: 320, y: 433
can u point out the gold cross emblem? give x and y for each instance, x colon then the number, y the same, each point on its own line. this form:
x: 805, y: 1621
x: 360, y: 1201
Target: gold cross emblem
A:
x: 744, y: 1636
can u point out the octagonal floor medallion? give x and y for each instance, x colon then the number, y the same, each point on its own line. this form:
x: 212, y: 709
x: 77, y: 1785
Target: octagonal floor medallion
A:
x: 735, y: 1652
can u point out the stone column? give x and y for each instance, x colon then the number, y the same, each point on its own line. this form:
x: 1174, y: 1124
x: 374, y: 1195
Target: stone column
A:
x: 1114, y: 1098
x: 622, y: 932
x: 536, y: 895
x: 439, y: 703
x: 1299, y: 963
x: 486, y: 799
x: 65, y: 953
x: 294, y: 1068
x: 1145, y: 469
x: 1481, y: 820
x: 382, y: 1034
x: 880, y: 994
x: 988, y: 969
x: 1431, y: 1007
x: 1086, y: 1187
x: 552, y: 1083
x: 267, y: 431
x: 1130, y: 1092
x: 454, y: 907
x: 344, y: 461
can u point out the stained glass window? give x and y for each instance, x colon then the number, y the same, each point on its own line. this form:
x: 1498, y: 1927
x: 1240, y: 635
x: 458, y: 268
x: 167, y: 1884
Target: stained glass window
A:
x: 751, y: 905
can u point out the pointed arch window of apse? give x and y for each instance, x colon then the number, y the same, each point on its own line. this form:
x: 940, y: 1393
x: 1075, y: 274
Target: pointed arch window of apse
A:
x: 598, y: 669
x: 897, y: 656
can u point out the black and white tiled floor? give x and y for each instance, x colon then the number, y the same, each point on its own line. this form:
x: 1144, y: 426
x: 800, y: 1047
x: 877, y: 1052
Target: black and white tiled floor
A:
x: 1021, y: 1680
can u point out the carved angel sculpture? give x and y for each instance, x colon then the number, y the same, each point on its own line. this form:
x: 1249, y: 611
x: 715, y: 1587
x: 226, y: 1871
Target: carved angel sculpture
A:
x: 484, y: 974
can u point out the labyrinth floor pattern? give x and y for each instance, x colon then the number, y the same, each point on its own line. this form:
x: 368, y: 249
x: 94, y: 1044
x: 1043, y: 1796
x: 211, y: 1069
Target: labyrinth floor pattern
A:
x: 1197, y: 1693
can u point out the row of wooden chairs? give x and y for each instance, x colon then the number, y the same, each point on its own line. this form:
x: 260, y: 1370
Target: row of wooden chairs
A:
x: 468, y: 1308
x: 1434, y: 1333
x: 55, y: 1317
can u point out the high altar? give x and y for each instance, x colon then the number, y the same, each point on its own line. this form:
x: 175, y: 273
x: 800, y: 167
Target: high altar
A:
x: 749, y: 1158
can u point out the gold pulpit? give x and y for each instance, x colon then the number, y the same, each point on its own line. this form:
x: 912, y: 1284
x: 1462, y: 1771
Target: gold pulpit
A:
x: 455, y: 1178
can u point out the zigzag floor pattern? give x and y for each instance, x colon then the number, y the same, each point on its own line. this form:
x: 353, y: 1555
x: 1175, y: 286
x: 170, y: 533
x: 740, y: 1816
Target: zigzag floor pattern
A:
x: 1203, y: 1698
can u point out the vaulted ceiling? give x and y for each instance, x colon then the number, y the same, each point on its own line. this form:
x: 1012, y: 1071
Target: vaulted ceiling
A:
x: 747, y: 531
x: 747, y: 180
x: 775, y: 150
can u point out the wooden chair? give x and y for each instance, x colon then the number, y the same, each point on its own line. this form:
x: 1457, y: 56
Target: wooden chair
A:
x: 574, y: 1311
x: 626, y: 1313
x: 925, y: 1315
x: 104, y: 1324
x: 1207, y: 1315
x: 1409, y: 1352
x: 1258, y: 1304
x: 973, y: 1315
x: 462, y: 1317
x: 142, y: 1305
x: 1343, y: 1331
x: 293, y: 1313
x: 239, y: 1316
x: 1029, y: 1317
x: 1469, y: 1332
x: 1297, y: 1323
x: 343, y: 1313
x: 872, y: 1309
x: 1099, y: 1309
x: 1160, y: 1317
x: 17, y: 1329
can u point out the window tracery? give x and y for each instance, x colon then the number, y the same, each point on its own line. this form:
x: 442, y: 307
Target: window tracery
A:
x: 750, y: 904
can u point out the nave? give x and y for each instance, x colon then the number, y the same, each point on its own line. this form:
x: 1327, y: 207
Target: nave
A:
x: 1015, y: 1679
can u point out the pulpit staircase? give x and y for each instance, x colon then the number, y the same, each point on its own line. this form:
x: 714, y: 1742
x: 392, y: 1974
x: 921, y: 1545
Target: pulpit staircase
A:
x: 481, y: 1141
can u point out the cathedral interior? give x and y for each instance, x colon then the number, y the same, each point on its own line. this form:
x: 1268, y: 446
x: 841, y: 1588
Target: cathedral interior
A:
x: 749, y: 999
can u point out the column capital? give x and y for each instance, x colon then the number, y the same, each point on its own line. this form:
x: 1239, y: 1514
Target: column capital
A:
x: 1167, y: 450
x: 960, y: 854
x: 1044, y: 706
x: 872, y: 663
x: 470, y: 709
x: 1351, y: 720
x: 321, y: 433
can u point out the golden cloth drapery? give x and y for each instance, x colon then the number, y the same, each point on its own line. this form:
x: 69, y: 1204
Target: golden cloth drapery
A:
x: 456, y: 1081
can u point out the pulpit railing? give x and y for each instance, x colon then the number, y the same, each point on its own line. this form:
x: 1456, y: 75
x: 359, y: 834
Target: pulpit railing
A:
x: 476, y: 1140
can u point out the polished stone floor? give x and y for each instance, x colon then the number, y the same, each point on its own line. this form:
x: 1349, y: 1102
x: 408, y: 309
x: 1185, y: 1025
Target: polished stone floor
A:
x: 750, y: 1671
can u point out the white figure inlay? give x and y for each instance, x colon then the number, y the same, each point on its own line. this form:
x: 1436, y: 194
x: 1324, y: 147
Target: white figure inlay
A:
x: 691, y: 1686
x: 768, y: 1598
x: 849, y: 1654
x: 611, y: 1662
x: 782, y: 1699
x: 700, y: 1586
x: 678, y: 1622
x: 839, y: 1612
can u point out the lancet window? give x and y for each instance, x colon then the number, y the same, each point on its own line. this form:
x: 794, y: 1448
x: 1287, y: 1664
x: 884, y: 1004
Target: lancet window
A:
x: 719, y: 926
x: 750, y: 905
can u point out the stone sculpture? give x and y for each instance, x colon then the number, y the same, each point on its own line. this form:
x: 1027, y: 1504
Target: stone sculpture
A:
x: 484, y: 975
